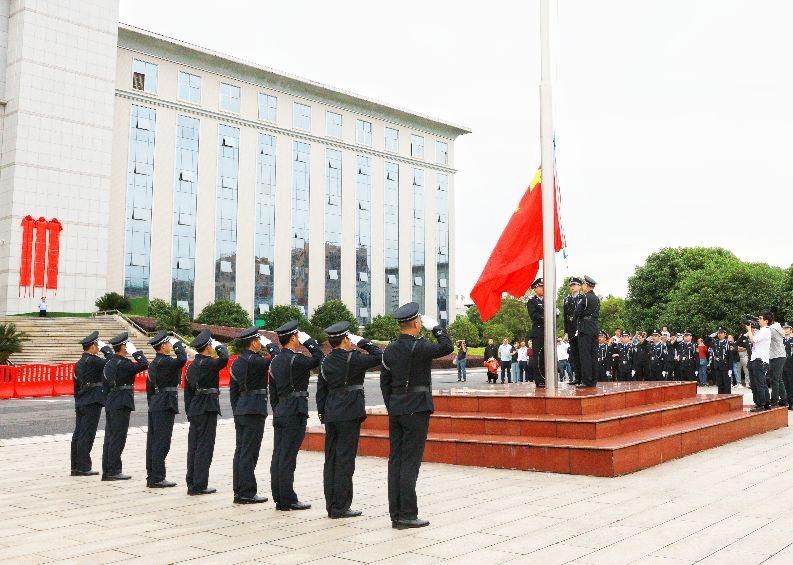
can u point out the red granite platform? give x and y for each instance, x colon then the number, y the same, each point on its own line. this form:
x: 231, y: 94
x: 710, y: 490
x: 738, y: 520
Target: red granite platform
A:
x: 612, y: 430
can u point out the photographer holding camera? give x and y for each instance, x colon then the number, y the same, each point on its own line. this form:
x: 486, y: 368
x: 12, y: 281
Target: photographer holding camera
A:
x: 760, y: 336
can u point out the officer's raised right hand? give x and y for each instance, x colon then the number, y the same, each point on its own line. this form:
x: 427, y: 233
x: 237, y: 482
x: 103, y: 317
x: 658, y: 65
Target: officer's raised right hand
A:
x: 429, y: 322
x: 303, y: 337
x: 354, y: 339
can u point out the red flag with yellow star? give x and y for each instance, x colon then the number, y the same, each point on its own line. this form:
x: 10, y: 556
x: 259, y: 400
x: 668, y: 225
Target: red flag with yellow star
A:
x: 514, y: 262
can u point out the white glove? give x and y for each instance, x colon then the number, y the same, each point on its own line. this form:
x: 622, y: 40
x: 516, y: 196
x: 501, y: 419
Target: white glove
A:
x: 354, y: 339
x: 576, y: 333
x: 428, y: 322
x: 263, y: 340
x: 215, y: 343
x: 633, y: 373
x: 303, y: 337
x: 131, y: 348
x: 173, y: 341
x: 557, y: 311
x: 663, y: 373
x: 101, y: 344
x: 608, y: 373
x: 729, y: 373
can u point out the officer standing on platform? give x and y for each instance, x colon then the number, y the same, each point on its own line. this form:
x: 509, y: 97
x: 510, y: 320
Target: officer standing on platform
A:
x: 342, y: 407
x: 162, y: 391
x: 119, y: 380
x: 248, y: 395
x: 537, y: 315
x: 720, y: 357
x: 201, y: 404
x: 290, y: 371
x: 688, y: 358
x: 586, y: 313
x: 787, y: 370
x: 625, y: 358
x: 406, y: 384
x: 658, y: 355
x: 603, y: 373
x: 568, y: 309
x: 88, y: 401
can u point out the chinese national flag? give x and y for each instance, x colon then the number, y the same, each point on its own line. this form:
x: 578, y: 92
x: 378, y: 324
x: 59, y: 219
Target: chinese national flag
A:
x: 514, y: 262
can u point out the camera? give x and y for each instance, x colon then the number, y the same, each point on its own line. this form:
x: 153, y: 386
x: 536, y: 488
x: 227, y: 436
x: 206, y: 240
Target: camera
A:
x: 750, y: 320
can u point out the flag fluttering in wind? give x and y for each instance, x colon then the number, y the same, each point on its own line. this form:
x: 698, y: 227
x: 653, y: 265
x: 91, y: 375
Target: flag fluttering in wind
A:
x: 515, y: 260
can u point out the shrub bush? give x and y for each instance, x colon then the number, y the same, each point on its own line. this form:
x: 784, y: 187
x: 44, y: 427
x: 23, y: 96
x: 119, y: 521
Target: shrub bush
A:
x: 330, y: 313
x: 175, y: 319
x: 113, y: 301
x: 463, y: 328
x: 382, y: 328
x: 224, y: 313
x: 11, y: 341
x: 281, y: 314
x: 157, y: 307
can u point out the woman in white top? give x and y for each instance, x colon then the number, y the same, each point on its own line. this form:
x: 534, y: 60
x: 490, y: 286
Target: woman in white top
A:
x: 563, y: 359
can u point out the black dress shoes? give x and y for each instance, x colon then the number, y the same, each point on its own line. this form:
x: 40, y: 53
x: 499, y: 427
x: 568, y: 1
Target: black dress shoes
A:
x: 345, y: 514
x: 293, y: 506
x: 76, y: 473
x: 196, y: 492
x: 162, y: 484
x: 118, y: 477
x: 255, y: 499
x: 403, y: 524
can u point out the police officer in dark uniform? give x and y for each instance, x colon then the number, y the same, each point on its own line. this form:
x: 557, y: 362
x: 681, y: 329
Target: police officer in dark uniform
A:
x: 290, y: 371
x: 603, y: 372
x: 672, y: 358
x: 537, y: 314
x: 342, y: 408
x: 88, y: 401
x: 624, y: 358
x: 248, y: 395
x: 720, y: 360
x: 568, y: 310
x: 641, y: 359
x: 202, y: 406
x: 119, y: 380
x: 406, y: 384
x: 587, y: 313
x: 688, y: 358
x: 658, y: 356
x: 162, y: 391
x: 787, y: 370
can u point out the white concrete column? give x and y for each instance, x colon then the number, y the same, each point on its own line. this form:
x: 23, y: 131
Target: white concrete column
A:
x: 452, y: 304
x: 316, y: 236
x: 162, y: 206
x: 349, y: 173
x: 377, y: 276
x: 282, y: 279
x: 431, y: 243
x: 405, y: 233
x: 118, y: 197
x: 205, y: 215
x: 246, y: 218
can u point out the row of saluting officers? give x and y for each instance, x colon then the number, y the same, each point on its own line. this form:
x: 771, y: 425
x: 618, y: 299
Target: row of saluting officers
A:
x: 282, y: 376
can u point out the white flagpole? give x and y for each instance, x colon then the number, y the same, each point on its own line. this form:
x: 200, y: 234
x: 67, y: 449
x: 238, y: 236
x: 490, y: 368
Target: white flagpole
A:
x: 548, y: 198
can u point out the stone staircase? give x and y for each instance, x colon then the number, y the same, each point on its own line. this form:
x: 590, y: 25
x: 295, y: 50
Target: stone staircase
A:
x: 56, y: 340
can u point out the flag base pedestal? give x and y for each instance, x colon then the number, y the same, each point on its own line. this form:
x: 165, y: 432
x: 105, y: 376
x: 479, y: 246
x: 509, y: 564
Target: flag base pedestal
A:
x: 609, y: 430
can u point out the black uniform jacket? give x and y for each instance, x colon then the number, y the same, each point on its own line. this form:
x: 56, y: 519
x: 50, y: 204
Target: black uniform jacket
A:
x: 587, y: 311
x: 537, y: 314
x: 625, y: 352
x: 119, y: 378
x: 289, y: 373
x: 165, y: 372
x: 88, y: 378
x: 788, y: 342
x: 202, y: 379
x: 641, y: 357
x: 658, y: 355
x: 407, y: 363
x: 568, y: 309
x: 248, y: 386
x: 337, y: 372
x: 720, y: 355
x: 687, y: 352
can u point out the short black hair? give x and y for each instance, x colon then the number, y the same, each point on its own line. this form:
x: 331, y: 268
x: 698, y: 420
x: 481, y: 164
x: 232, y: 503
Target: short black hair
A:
x: 284, y: 339
x: 118, y: 347
x: 88, y: 346
x: 336, y: 340
x: 768, y: 316
x: 158, y: 346
x: 245, y: 343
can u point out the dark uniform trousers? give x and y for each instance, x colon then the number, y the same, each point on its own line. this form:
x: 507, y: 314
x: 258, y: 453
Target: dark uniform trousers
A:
x: 575, y: 357
x: 158, y: 444
x: 723, y: 380
x: 86, y: 423
x: 250, y: 431
x: 408, y: 434
x: 341, y: 446
x: 587, y: 346
x: 116, y: 426
x: 288, y: 434
x: 200, y: 448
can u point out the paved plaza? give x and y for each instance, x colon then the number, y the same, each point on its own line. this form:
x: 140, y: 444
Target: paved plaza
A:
x: 726, y: 505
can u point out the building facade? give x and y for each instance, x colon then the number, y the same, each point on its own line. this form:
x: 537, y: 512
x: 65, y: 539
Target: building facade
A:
x: 220, y: 179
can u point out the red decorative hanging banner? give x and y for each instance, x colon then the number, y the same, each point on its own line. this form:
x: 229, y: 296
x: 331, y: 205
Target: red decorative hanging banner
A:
x: 40, y: 248
x: 54, y: 229
x: 27, y: 252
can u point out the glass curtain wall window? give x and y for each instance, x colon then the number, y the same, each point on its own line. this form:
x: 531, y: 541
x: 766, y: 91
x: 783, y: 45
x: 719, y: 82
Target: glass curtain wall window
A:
x: 268, y: 107
x: 265, y: 226
x: 229, y: 98
x: 140, y: 188
x: 391, y: 236
x: 185, y: 196
x: 417, y: 256
x: 301, y: 117
x: 363, y: 240
x: 144, y: 76
x: 442, y: 202
x: 417, y: 146
x: 363, y: 133
x: 332, y: 224
x: 226, y: 213
x: 333, y: 125
x: 442, y: 152
x: 189, y: 87
x: 392, y: 140
x: 301, y: 191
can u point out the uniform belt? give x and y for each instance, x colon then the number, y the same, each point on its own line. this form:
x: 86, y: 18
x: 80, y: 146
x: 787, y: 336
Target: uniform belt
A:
x: 207, y: 391
x: 255, y: 391
x: 122, y: 387
x: 299, y: 394
x: 168, y: 389
x: 405, y: 390
x: 586, y: 317
x: 348, y: 388
x: 91, y: 385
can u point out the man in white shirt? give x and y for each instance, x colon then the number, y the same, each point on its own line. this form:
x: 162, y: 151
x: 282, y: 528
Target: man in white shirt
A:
x: 43, y: 307
x: 776, y: 364
x: 505, y: 357
x: 758, y: 366
x: 563, y: 359
x: 523, y: 363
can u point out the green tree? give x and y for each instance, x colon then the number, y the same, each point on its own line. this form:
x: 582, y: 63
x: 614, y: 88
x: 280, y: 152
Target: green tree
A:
x: 113, y: 301
x: 281, y: 314
x: 382, y: 328
x: 157, y: 307
x: 472, y: 312
x: 612, y: 314
x: 11, y: 341
x: 331, y: 312
x: 496, y: 332
x: 651, y: 285
x: 224, y: 313
x: 463, y: 328
x: 786, y: 303
x: 513, y: 316
x: 174, y: 318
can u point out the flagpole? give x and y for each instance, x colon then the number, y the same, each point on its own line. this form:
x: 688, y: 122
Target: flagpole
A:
x: 548, y: 200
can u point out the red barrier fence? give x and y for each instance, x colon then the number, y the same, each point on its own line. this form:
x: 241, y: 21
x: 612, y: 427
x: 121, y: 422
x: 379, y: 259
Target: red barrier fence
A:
x: 26, y: 381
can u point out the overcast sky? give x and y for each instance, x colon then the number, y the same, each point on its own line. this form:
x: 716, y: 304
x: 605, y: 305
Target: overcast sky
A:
x: 673, y: 117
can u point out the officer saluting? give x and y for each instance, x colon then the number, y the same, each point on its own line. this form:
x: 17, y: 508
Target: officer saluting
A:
x: 687, y: 351
x: 289, y: 398
x: 603, y: 373
x: 342, y: 408
x: 568, y: 309
x: 658, y: 355
x: 406, y: 383
x: 248, y: 394
x: 162, y: 391
x: 119, y: 379
x: 587, y: 312
x: 202, y: 407
x: 720, y: 357
x: 537, y: 313
x: 88, y: 401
